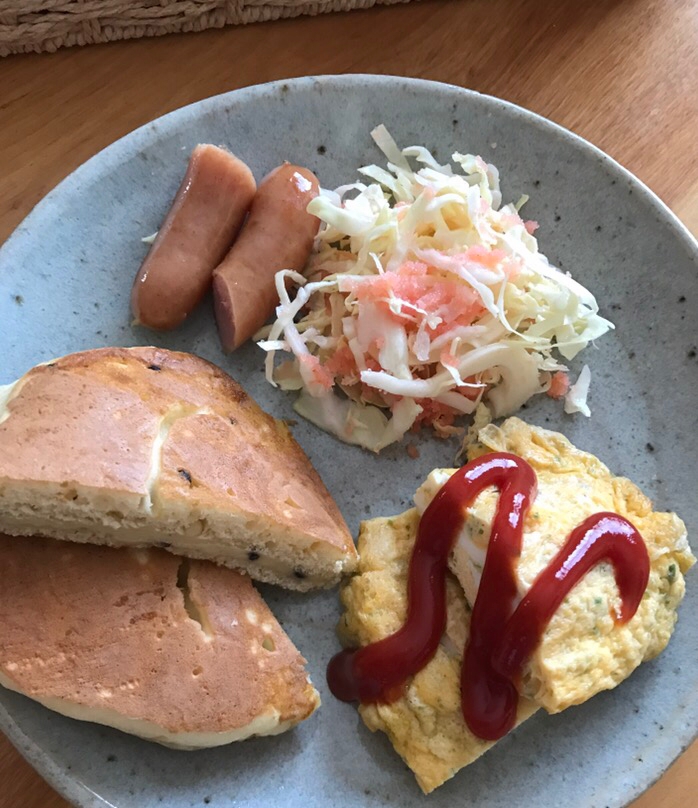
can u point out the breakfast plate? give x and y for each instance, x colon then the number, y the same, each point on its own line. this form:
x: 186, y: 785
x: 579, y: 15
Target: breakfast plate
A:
x: 65, y: 280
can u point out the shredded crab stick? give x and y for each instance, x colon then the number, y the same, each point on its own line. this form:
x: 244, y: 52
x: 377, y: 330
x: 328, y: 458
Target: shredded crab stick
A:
x: 279, y: 233
x: 424, y: 297
x: 202, y: 223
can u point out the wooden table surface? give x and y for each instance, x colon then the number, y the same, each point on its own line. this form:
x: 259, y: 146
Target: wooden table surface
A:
x: 622, y: 73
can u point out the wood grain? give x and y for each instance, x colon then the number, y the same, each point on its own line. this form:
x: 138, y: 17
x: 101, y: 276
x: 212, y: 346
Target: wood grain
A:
x: 622, y: 73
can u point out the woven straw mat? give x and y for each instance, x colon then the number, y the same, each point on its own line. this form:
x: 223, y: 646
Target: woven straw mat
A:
x: 46, y: 25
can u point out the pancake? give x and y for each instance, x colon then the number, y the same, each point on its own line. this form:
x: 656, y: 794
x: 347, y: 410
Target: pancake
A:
x: 184, y: 653
x: 139, y: 446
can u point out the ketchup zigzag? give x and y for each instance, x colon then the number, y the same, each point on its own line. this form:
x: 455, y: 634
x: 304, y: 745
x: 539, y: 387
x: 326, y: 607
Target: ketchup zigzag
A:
x: 502, y: 637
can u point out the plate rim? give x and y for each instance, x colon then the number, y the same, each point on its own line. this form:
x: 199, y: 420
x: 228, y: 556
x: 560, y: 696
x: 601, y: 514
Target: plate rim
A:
x: 68, y: 785
x: 188, y: 110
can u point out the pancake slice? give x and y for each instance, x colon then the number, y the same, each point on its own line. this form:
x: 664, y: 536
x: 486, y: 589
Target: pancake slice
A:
x: 139, y: 446
x: 184, y: 653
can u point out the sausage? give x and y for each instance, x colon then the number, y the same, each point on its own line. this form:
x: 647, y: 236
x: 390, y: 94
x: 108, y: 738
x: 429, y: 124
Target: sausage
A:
x: 202, y: 223
x: 278, y: 234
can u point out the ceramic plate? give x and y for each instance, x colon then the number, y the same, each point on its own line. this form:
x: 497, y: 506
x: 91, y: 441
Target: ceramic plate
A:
x: 65, y: 277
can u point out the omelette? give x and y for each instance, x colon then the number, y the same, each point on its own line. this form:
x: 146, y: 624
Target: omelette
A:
x: 583, y: 649
x: 426, y: 725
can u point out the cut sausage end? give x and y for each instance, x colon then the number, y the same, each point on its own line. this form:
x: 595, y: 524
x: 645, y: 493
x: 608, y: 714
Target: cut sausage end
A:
x: 225, y: 313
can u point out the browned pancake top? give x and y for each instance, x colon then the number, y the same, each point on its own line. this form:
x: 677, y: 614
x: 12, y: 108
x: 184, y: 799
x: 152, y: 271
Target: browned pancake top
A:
x: 92, y: 418
x: 111, y: 628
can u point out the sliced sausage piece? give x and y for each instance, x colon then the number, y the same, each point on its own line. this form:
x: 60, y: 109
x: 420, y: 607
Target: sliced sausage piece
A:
x: 202, y: 223
x: 278, y: 234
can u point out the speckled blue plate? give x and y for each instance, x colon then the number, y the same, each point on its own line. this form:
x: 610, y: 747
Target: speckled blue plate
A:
x: 65, y: 277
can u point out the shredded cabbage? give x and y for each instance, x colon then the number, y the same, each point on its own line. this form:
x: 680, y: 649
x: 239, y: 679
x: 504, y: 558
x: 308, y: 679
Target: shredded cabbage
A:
x: 576, y: 398
x: 424, y: 297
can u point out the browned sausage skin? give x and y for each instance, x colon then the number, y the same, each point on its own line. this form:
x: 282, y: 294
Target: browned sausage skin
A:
x: 202, y: 223
x: 278, y: 234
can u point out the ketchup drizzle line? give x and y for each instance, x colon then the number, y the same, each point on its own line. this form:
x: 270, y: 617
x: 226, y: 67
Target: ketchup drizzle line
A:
x: 500, y: 641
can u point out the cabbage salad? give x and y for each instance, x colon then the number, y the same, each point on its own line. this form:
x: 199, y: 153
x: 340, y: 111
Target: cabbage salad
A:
x: 424, y: 298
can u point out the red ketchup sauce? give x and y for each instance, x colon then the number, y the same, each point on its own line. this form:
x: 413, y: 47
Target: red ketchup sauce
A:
x: 502, y: 638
